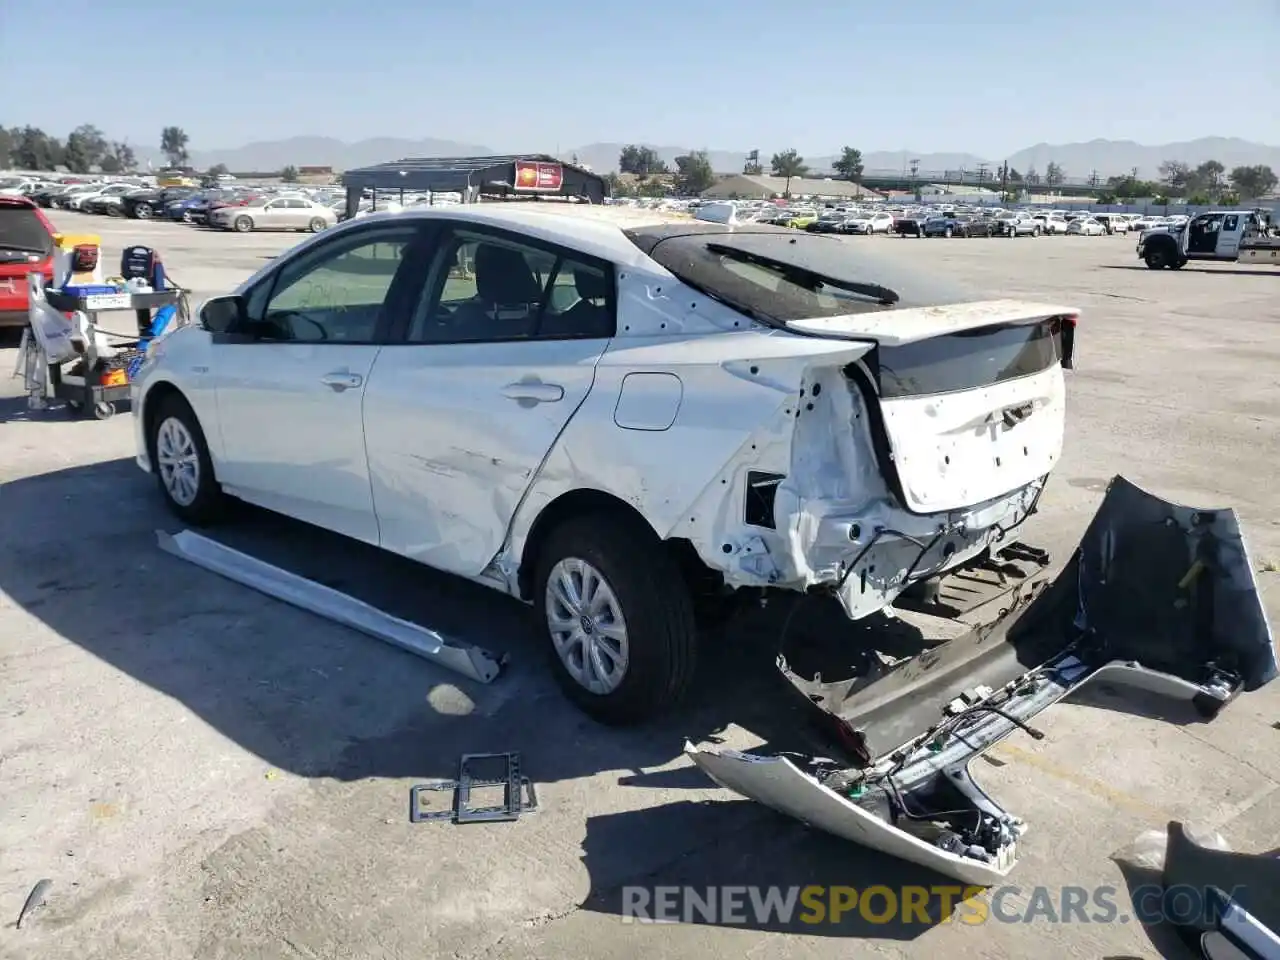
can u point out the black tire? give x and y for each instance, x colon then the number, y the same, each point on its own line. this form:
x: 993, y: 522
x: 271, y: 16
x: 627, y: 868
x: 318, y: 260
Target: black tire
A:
x: 142, y: 211
x: 1177, y: 264
x: 317, y: 224
x: 104, y: 410
x: 242, y: 224
x: 655, y: 605
x: 1155, y: 259
x: 209, y: 504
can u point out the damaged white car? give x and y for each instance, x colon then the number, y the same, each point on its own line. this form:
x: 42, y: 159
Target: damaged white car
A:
x: 620, y: 427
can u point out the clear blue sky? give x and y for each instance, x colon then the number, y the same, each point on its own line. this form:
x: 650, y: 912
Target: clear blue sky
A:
x: 987, y: 76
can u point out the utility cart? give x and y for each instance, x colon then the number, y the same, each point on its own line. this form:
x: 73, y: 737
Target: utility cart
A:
x: 86, y: 363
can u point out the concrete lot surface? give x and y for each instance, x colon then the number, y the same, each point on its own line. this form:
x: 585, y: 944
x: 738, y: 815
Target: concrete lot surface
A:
x: 204, y: 772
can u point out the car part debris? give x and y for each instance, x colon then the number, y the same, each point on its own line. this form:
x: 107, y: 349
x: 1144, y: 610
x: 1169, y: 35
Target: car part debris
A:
x: 471, y: 661
x: 1157, y: 596
x: 1213, y: 894
x: 519, y: 795
x: 34, y: 899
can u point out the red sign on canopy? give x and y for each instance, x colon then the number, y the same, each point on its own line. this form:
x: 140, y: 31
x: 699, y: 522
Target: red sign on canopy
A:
x: 538, y: 176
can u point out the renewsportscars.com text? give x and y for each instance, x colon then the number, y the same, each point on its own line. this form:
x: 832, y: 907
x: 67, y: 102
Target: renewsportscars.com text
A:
x: 940, y: 903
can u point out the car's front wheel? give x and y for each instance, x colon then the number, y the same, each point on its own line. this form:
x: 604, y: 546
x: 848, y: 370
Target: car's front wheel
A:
x: 619, y: 618
x: 182, y: 465
x: 242, y: 224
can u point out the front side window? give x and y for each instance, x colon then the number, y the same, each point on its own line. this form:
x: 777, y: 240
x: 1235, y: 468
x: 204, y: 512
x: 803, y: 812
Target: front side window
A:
x: 490, y: 288
x: 334, y: 293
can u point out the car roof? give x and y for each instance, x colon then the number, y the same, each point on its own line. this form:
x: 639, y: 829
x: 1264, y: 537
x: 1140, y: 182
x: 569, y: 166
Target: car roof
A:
x: 598, y: 238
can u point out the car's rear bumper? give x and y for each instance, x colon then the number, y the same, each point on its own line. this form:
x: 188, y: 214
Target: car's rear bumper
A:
x: 1158, y: 597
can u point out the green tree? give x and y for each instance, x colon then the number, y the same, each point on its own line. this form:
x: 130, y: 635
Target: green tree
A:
x: 34, y: 149
x: 289, y: 174
x: 7, y: 143
x: 1209, y: 178
x: 849, y: 166
x: 217, y: 170
x: 789, y: 165
x: 641, y: 161
x: 653, y: 188
x: 1130, y: 187
x: 1253, y: 182
x: 173, y: 144
x: 1176, y: 176
x: 1054, y: 175
x: 694, y: 173
x: 86, y: 146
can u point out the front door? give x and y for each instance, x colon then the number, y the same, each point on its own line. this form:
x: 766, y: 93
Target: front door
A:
x: 1202, y: 235
x: 290, y: 388
x: 464, y: 406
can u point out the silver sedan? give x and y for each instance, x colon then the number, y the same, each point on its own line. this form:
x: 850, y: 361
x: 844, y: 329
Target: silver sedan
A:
x: 275, y: 213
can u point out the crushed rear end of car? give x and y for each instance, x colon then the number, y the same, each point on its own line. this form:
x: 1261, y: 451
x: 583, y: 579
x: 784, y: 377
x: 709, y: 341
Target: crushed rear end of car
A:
x: 906, y: 457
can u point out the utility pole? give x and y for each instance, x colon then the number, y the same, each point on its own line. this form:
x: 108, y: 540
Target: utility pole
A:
x: 1004, y: 182
x: 982, y: 172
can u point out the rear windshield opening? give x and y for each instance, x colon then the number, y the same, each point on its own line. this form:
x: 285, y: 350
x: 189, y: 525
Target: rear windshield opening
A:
x: 969, y: 360
x: 22, y: 229
x: 777, y: 275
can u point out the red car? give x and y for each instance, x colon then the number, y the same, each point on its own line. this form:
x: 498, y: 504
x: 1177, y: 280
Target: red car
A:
x: 26, y: 246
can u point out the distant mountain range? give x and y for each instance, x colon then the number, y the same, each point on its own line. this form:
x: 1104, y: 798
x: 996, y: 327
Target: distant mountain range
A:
x: 1107, y: 157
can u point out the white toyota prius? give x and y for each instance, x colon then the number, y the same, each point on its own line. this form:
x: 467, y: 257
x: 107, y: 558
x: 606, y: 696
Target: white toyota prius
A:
x: 615, y: 424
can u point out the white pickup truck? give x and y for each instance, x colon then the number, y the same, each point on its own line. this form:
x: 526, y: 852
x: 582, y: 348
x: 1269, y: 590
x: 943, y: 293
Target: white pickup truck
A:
x: 1242, y: 236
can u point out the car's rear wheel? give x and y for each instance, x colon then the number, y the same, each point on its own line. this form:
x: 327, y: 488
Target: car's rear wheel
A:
x: 180, y: 460
x: 619, y: 618
x: 316, y: 225
x: 243, y: 224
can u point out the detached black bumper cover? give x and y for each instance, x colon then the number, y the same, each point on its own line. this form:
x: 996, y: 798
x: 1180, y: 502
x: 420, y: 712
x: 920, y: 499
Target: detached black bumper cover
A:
x: 1157, y: 596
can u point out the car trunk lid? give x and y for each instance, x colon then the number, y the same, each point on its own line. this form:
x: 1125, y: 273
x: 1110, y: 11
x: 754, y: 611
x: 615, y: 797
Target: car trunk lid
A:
x: 971, y: 395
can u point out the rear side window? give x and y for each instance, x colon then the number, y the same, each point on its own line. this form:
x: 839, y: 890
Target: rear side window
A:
x: 968, y: 360
x: 22, y: 229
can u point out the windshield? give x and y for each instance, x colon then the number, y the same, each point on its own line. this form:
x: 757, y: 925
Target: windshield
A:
x: 22, y: 229
x: 776, y: 275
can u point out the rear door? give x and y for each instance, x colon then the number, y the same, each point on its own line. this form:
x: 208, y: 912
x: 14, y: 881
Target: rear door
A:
x: 463, y: 407
x: 1229, y: 236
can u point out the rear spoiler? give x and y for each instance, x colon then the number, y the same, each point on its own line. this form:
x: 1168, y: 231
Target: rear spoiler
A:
x: 893, y: 328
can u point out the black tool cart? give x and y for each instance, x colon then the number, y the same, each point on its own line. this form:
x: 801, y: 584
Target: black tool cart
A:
x: 94, y: 384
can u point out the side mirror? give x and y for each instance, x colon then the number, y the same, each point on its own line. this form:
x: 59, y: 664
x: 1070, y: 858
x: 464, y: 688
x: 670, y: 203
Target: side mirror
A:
x: 224, y: 314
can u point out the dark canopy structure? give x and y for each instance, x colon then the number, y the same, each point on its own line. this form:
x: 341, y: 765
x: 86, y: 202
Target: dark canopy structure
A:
x: 525, y: 175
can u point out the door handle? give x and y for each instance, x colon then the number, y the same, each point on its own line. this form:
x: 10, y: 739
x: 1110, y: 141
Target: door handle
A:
x: 341, y: 381
x: 533, y: 391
